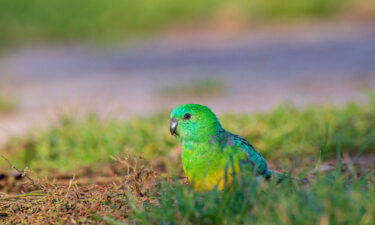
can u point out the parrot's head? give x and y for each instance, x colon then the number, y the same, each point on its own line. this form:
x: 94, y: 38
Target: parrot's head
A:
x: 193, y: 122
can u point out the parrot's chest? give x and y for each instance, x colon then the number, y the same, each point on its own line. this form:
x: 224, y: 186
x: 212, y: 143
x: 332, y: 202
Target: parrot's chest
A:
x: 206, y: 167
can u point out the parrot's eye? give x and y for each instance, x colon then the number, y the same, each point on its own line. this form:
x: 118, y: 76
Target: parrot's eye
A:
x: 187, y: 116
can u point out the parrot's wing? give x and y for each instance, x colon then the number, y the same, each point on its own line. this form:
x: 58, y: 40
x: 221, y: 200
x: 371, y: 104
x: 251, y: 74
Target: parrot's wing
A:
x: 252, y: 155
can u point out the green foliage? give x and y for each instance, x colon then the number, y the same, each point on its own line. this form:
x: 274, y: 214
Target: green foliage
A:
x: 64, y: 20
x: 329, y: 199
x: 284, y: 134
x: 284, y: 9
x: 313, y: 131
x: 73, y: 143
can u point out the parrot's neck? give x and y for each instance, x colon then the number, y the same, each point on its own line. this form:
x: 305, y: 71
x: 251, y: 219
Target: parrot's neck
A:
x: 208, y: 137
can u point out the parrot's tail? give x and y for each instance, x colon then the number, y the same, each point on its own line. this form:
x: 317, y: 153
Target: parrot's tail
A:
x: 272, y: 174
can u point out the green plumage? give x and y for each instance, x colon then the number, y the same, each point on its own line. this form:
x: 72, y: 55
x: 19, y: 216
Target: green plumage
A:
x: 210, y: 154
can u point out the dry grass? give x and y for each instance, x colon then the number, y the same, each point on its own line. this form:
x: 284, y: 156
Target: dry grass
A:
x: 89, y: 199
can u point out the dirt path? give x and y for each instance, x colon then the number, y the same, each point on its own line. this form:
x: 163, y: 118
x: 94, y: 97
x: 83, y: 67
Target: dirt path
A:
x: 329, y: 63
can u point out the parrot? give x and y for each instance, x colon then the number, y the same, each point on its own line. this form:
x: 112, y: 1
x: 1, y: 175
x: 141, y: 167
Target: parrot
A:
x: 210, y: 155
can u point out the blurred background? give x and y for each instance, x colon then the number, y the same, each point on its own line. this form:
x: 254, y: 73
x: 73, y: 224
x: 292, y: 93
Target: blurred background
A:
x: 86, y: 87
x: 128, y: 58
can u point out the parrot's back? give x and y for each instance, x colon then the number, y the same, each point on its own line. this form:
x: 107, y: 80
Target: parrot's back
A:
x: 259, y: 164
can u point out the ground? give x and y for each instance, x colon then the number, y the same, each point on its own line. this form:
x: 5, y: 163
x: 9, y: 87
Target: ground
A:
x: 73, y: 178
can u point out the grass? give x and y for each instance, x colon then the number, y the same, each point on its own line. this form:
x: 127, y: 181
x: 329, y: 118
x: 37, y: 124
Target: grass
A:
x: 329, y: 199
x: 284, y: 133
x: 75, y: 143
x: 150, y: 190
x: 24, y: 21
x: 60, y: 201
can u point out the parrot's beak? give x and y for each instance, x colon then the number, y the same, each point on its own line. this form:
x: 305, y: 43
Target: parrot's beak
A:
x: 173, y: 126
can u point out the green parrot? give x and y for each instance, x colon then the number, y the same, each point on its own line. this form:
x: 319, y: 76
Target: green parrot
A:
x: 210, y: 154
